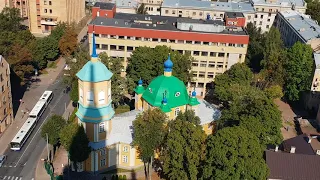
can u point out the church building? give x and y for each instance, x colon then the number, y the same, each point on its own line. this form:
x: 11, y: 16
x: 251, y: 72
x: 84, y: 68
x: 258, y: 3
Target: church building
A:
x: 111, y: 135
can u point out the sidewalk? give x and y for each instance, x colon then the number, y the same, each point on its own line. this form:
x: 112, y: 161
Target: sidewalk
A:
x: 59, y: 159
x: 30, y: 98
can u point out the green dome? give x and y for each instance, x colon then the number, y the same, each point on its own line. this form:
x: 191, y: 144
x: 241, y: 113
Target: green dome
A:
x: 175, y: 90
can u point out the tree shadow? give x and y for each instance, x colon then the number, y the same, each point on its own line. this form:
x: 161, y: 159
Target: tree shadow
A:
x: 17, y: 91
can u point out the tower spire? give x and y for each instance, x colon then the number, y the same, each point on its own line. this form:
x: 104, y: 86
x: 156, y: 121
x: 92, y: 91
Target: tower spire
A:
x: 168, y: 64
x: 94, y: 54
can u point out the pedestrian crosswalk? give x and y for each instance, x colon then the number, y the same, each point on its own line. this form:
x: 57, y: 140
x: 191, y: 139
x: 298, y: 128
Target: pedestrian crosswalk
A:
x: 10, y: 178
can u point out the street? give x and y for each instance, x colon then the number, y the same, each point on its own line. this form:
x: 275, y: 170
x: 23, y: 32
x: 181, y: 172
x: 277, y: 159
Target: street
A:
x: 20, y: 165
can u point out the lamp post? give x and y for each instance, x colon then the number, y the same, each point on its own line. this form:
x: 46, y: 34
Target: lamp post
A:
x: 48, y: 146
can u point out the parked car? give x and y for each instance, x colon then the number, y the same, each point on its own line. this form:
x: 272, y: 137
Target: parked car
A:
x: 2, y: 159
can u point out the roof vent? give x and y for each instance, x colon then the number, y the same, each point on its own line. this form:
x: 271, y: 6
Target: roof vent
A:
x: 154, y: 25
x: 147, y: 24
x: 116, y: 22
x: 212, y: 4
x: 277, y: 149
x: 318, y: 152
x: 301, y: 29
x: 101, y: 22
x: 293, y: 149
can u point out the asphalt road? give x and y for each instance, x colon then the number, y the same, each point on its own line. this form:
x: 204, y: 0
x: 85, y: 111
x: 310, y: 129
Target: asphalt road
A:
x: 21, y: 165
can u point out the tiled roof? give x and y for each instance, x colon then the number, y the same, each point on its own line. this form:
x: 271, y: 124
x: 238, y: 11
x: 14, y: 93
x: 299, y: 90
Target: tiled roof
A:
x: 290, y: 166
x: 300, y: 143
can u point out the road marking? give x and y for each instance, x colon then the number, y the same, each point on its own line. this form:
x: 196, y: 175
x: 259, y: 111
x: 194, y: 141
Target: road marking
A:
x: 17, y: 178
x: 38, y: 131
x: 4, y: 177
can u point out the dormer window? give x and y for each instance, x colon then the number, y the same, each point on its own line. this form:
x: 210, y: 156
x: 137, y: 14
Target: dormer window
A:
x: 177, y: 94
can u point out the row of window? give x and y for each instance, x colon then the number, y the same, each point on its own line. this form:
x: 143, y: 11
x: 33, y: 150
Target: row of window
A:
x: 201, y: 74
x: 90, y: 96
x: 169, y: 40
x: 45, y: 2
x: 46, y: 11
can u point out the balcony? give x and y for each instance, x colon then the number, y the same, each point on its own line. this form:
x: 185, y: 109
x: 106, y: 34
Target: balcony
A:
x: 48, y: 21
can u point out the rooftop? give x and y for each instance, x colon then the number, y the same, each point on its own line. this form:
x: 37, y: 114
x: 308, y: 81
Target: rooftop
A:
x: 208, y: 5
x: 299, y: 3
x: 234, y: 14
x: 103, y: 5
x: 166, y: 23
x: 293, y: 166
x: 118, y: 3
x: 301, y: 144
x: 302, y: 24
x: 317, y: 60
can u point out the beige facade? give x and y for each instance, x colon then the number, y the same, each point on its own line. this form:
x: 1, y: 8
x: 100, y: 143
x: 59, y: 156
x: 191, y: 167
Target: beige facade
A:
x: 6, y: 113
x: 44, y: 15
x: 22, y: 5
x: 152, y: 6
x: 211, y: 59
x: 5, y: 3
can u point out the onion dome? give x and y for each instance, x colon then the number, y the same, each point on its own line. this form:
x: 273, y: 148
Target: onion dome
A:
x: 139, y: 89
x: 164, y: 107
x: 168, y: 64
x: 193, y: 100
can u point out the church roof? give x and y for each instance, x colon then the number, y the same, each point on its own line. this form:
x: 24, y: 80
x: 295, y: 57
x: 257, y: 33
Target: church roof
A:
x: 94, y: 70
x: 166, y: 86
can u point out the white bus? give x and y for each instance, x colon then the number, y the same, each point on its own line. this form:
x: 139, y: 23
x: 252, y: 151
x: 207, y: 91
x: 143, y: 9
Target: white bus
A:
x: 23, y: 134
x: 35, y: 114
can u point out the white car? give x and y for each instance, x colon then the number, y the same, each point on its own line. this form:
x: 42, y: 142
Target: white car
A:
x: 2, y: 159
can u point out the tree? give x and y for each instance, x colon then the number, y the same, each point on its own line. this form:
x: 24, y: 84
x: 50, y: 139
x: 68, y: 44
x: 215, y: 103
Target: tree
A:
x: 274, y: 92
x: 58, y: 31
x: 44, y: 50
x: 79, y: 149
x: 234, y: 153
x: 274, y: 58
x: 254, y: 111
x: 53, y: 127
x: 10, y: 19
x: 118, y: 82
x: 68, y: 42
x: 299, y: 70
x: 147, y: 63
x: 74, y: 94
x: 67, y: 134
x: 255, y: 47
x: 313, y: 9
x: 149, y: 132
x: 237, y: 74
x: 184, y: 147
x: 141, y: 9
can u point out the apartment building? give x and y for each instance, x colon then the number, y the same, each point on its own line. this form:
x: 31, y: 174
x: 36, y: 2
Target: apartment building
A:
x: 153, y: 7
x: 22, y: 5
x: 44, y: 15
x: 214, y: 46
x: 266, y: 10
x: 202, y: 9
x: 6, y: 113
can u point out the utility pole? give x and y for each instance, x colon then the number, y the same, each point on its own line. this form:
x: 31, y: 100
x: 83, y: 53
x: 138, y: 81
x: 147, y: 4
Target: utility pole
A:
x: 48, y: 146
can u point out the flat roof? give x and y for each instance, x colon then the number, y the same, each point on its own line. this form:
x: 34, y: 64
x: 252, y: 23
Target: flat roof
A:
x: 299, y: 3
x: 154, y: 22
x: 316, y: 57
x: 104, y: 5
x: 209, y: 5
x: 302, y: 24
x: 24, y: 129
x: 37, y: 107
x: 45, y: 94
x: 234, y: 14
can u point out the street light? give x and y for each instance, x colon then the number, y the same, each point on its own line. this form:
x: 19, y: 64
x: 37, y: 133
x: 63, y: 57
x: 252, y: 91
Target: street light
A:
x: 48, y: 145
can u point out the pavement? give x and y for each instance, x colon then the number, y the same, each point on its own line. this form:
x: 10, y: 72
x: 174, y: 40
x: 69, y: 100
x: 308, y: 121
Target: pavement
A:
x: 22, y: 164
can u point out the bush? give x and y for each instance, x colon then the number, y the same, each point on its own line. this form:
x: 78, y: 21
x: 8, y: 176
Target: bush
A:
x: 73, y: 116
x: 122, y: 109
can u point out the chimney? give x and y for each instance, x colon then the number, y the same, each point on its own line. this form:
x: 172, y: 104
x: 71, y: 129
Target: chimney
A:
x: 318, y: 152
x: 277, y: 149
x: 293, y: 149
x: 309, y: 139
x: 98, y: 13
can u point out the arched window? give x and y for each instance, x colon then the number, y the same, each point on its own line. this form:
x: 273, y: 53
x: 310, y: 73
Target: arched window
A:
x: 101, y: 97
x: 90, y: 97
x: 176, y: 111
x: 81, y: 95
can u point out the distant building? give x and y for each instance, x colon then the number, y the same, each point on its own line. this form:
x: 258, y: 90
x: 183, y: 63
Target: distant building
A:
x: 46, y: 14
x: 22, y: 5
x: 214, y: 46
x: 153, y: 7
x: 266, y: 10
x: 235, y: 19
x: 6, y: 113
x: 123, y: 6
x: 5, y: 3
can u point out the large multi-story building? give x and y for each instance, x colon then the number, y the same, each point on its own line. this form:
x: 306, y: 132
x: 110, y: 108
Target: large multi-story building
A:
x: 5, y: 3
x: 6, y: 113
x: 153, y: 7
x: 44, y: 15
x: 266, y: 10
x: 214, y: 46
x: 202, y: 9
x: 23, y: 6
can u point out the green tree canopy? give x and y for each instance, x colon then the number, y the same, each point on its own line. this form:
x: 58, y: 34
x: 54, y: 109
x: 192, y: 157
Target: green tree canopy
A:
x: 149, y: 132
x: 79, y: 148
x: 237, y: 74
x: 147, y: 63
x: 67, y: 135
x: 234, y: 153
x: 53, y: 127
x: 74, y: 94
x: 10, y: 19
x: 254, y: 111
x: 68, y: 42
x: 184, y: 147
x: 299, y: 70
x: 313, y: 9
x: 118, y: 83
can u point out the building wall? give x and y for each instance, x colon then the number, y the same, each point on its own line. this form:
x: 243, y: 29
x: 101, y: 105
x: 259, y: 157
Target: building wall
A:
x: 5, y: 3
x: 44, y: 15
x: 6, y: 114
x: 153, y: 6
x: 238, y: 22
x: 96, y: 11
x: 211, y: 58
x: 22, y: 5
